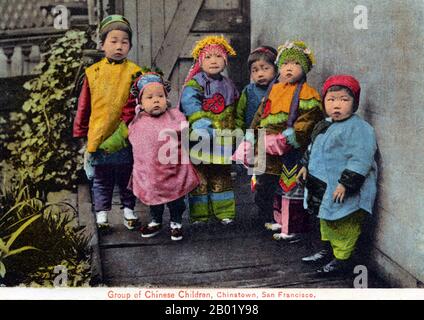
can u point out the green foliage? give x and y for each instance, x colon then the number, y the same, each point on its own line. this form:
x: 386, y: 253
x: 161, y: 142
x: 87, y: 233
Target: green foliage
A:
x: 36, y: 236
x: 5, y: 247
x: 43, y: 151
x: 63, y: 245
x: 76, y: 271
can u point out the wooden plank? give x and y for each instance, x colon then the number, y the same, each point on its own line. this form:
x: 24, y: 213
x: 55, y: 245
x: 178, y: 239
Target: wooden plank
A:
x: 91, y: 7
x: 241, y: 264
x: 210, y: 256
x: 180, y: 27
x: 221, y: 4
x: 119, y: 6
x: 245, y: 9
x: 174, y: 95
x: 87, y: 219
x: 158, y: 25
x: 215, y: 278
x: 144, y: 32
x: 237, y: 68
x: 121, y: 237
x: 84, y: 205
x: 230, y: 20
x: 170, y: 9
x: 210, y: 4
x: 184, y: 68
x: 130, y: 12
x: 247, y: 221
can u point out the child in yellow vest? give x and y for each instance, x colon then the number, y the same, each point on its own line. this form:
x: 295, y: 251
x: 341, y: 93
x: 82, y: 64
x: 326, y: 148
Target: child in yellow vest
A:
x: 105, y: 91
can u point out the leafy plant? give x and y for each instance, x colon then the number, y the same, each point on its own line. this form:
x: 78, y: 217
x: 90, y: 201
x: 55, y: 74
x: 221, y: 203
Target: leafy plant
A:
x: 64, y: 246
x: 43, y: 151
x: 77, y: 274
x: 28, y: 222
x: 5, y: 248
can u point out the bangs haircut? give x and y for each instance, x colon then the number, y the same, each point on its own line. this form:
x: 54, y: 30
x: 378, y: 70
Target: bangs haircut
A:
x: 349, y: 92
x: 340, y: 88
x: 268, y: 57
x: 115, y: 26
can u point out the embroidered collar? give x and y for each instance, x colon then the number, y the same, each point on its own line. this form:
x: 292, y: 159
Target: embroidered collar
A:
x: 112, y: 61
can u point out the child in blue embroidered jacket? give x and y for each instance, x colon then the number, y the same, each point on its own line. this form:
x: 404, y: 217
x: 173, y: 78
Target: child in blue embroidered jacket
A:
x: 340, y: 172
x: 208, y: 101
x: 262, y: 72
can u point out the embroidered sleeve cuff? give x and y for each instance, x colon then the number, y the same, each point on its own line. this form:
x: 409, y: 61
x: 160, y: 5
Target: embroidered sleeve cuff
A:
x: 351, y: 180
x: 290, y: 136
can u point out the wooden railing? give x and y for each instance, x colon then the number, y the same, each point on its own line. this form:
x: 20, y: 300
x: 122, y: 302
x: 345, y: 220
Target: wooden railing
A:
x: 22, y: 48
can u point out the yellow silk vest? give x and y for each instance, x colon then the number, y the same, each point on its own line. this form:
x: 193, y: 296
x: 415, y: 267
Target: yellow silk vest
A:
x: 109, y: 84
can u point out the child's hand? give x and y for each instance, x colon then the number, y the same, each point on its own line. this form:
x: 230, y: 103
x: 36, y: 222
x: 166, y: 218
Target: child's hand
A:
x: 81, y: 145
x: 276, y: 144
x: 301, y: 176
x: 339, y: 193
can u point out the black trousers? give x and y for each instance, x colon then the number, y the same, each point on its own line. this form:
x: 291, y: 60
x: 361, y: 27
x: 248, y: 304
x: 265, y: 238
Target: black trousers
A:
x: 176, y: 209
x: 266, y: 185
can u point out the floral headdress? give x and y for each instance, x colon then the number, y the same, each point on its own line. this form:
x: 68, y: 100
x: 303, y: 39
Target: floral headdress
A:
x: 212, y: 40
x: 207, y: 44
x: 296, y: 51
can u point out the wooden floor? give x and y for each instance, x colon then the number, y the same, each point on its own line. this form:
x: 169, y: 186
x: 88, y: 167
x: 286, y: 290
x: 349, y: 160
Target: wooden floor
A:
x: 241, y: 255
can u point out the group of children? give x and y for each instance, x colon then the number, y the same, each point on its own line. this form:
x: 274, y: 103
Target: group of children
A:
x: 318, y: 157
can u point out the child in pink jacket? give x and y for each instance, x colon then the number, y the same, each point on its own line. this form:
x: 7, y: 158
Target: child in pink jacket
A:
x: 160, y: 176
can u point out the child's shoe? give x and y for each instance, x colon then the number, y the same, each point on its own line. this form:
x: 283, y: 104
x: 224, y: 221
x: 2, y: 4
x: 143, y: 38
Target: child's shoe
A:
x: 101, y: 220
x: 292, y: 237
x: 226, y: 221
x: 152, y: 229
x: 199, y: 223
x: 317, y: 257
x: 176, y: 231
x: 334, y: 267
x: 272, y: 226
x: 130, y: 219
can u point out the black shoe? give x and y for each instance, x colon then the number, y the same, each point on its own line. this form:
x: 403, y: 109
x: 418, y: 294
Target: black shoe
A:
x: 334, y: 267
x: 176, y: 234
x: 317, y: 257
x: 150, y: 231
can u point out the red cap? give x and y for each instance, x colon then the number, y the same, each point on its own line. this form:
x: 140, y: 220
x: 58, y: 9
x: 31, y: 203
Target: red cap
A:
x: 345, y: 81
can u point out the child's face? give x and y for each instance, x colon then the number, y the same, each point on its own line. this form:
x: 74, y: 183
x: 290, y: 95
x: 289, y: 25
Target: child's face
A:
x: 116, y: 45
x: 153, y: 99
x: 262, y: 72
x: 338, y: 105
x: 291, y: 72
x: 213, y: 63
